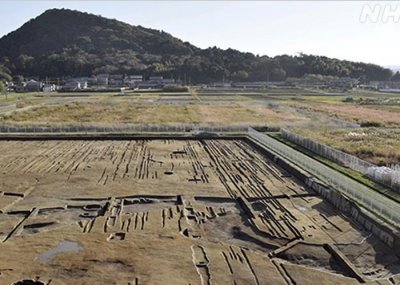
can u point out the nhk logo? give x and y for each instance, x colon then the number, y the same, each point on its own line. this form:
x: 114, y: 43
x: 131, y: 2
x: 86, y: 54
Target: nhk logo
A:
x: 380, y: 13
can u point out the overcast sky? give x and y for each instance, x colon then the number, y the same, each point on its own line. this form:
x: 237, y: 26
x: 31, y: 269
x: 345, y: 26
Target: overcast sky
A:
x: 269, y: 28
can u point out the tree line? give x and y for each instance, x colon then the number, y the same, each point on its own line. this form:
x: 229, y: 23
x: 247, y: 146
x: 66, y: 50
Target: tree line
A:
x: 209, y: 65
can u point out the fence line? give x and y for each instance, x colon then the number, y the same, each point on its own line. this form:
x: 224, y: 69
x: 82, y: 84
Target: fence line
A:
x: 384, y: 175
x: 369, y: 198
x: 119, y: 128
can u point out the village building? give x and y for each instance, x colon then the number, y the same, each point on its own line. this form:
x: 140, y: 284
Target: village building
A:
x: 72, y: 85
x: 33, y: 86
x: 133, y: 80
x: 49, y: 88
x: 102, y: 79
x: 116, y: 80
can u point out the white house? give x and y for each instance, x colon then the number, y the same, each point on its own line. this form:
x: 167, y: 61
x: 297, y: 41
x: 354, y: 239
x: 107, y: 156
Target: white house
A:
x: 133, y: 80
x: 102, y: 79
x: 49, y: 88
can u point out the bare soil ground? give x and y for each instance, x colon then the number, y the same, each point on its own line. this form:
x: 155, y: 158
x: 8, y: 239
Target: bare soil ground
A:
x: 171, y: 212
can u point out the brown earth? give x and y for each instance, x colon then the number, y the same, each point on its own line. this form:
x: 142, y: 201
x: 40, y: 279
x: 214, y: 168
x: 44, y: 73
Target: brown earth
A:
x: 170, y: 212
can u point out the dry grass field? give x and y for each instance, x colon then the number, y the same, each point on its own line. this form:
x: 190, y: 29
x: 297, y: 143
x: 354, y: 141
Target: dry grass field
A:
x: 363, y: 115
x: 379, y: 114
x: 311, y: 113
x: 379, y: 146
x: 197, y: 212
x: 160, y: 113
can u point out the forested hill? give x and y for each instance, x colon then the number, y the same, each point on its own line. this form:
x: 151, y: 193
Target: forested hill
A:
x: 62, y: 42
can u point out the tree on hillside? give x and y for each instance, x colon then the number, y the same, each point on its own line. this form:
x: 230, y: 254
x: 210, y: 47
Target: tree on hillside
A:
x: 278, y: 74
x: 293, y: 65
x: 24, y: 61
x: 5, y: 74
x: 18, y: 79
x: 240, y: 75
x: 265, y: 68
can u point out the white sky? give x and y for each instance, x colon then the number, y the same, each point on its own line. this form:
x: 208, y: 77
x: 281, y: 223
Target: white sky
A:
x: 269, y: 28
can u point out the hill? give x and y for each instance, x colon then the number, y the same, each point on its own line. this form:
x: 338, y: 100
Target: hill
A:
x: 63, y: 42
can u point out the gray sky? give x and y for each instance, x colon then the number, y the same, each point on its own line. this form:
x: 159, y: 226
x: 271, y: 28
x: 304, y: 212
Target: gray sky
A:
x: 269, y: 28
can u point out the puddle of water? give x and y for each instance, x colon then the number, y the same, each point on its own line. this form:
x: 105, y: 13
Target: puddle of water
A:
x: 64, y: 246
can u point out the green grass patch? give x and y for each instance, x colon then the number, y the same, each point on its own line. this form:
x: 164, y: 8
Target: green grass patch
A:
x: 359, y: 177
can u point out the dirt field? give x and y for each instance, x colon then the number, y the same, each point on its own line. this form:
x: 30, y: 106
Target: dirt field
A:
x: 171, y: 212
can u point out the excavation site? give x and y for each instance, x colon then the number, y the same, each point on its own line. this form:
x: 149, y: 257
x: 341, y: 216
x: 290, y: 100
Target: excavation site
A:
x: 173, y: 211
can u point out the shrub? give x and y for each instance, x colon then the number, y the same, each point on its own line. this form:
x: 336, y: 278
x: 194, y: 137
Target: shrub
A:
x: 348, y: 100
x: 368, y: 124
x: 175, y: 88
x: 20, y: 105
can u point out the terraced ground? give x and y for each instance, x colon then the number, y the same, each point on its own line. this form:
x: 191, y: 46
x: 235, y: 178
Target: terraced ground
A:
x: 172, y: 212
